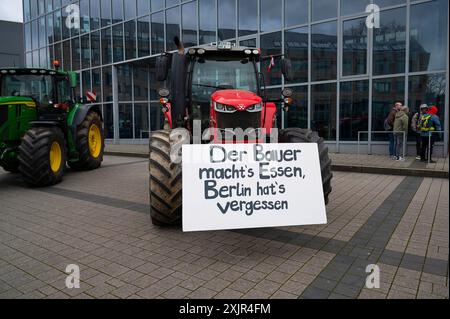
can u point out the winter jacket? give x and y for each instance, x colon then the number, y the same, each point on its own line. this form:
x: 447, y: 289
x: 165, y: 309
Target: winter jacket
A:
x: 391, y: 117
x: 430, y: 123
x: 401, y: 122
x: 415, y: 122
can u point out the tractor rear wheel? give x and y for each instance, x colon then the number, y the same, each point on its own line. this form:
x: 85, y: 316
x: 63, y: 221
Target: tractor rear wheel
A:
x: 11, y: 168
x: 165, y: 182
x: 89, y: 143
x: 297, y: 135
x: 42, y: 156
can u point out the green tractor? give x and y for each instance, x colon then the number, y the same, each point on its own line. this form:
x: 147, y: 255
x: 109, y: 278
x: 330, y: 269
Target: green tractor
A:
x: 42, y: 127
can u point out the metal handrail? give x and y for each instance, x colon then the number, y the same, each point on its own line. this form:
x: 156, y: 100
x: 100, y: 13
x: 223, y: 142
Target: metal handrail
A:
x: 429, y: 143
x: 383, y: 132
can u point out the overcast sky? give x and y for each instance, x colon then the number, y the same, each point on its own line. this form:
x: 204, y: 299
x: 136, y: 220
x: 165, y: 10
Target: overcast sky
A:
x: 11, y: 10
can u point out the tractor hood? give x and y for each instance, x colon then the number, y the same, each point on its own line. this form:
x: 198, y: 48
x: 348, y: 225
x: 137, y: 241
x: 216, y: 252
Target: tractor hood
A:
x: 240, y: 99
x: 8, y: 100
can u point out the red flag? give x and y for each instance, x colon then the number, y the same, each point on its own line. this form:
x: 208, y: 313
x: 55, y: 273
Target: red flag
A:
x: 271, y: 64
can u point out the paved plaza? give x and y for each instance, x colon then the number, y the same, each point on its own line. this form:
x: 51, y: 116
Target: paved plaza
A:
x: 100, y: 221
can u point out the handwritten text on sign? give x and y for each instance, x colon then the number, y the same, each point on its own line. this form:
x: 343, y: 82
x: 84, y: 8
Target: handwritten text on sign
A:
x: 239, y: 186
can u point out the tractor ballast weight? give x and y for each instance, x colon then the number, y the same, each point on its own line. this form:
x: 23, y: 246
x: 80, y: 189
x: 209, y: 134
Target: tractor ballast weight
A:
x: 219, y: 85
x: 43, y: 128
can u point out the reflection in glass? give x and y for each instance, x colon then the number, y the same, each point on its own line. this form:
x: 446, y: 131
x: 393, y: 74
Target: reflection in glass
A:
x: 428, y: 89
x: 157, y: 30
x: 117, y: 34
x: 141, y: 121
x: 109, y: 121
x: 389, y: 43
x: 130, y: 39
x: 428, y: 36
x: 298, y: 112
x: 117, y: 11
x: 354, y: 110
x: 106, y: 46
x: 323, y: 110
x: 96, y: 83
x: 76, y: 59
x: 106, y: 12
x: 354, y: 59
x: 296, y: 49
x: 385, y: 93
x: 95, y: 14
x: 248, y: 17
x: 271, y: 45
x: 125, y: 88
x: 189, y: 23
x: 324, y: 51
x: 140, y: 81
x: 324, y: 9
x: 85, y: 52
x: 130, y: 9
x: 107, y: 84
x: 349, y: 7
x: 172, y: 27
x: 126, y: 121
x: 207, y: 11
x: 143, y: 34
x: 95, y: 49
x: 295, y: 12
x: 227, y: 19
x: 271, y: 11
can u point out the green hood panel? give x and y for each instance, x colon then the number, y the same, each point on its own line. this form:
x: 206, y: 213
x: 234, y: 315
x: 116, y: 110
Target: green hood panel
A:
x: 15, y: 100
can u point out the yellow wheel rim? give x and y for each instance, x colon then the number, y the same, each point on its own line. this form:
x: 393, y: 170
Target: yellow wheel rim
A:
x: 55, y: 157
x: 95, y: 141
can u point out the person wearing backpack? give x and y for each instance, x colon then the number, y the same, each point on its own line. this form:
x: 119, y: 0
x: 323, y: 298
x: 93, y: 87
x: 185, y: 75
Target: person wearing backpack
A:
x: 415, y: 127
x: 429, y: 123
x: 389, y: 126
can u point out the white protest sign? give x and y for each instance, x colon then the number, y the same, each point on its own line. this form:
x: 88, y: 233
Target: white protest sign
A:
x: 239, y: 186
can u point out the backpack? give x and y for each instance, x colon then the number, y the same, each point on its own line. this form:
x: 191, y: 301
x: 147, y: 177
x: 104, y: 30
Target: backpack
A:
x: 425, y: 124
x: 387, y: 126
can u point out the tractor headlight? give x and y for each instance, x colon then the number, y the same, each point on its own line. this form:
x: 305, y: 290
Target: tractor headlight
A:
x: 255, y: 108
x: 224, y: 108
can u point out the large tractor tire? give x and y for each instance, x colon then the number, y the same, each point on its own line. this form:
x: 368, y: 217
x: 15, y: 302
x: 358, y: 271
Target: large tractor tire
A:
x: 90, y: 143
x: 165, y: 182
x: 42, y: 156
x: 11, y: 168
x: 297, y: 135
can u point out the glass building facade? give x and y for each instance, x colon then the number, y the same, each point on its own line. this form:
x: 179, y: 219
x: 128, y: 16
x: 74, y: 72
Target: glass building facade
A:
x: 346, y: 75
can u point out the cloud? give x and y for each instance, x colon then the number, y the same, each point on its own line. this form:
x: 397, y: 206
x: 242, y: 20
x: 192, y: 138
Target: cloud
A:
x: 11, y: 10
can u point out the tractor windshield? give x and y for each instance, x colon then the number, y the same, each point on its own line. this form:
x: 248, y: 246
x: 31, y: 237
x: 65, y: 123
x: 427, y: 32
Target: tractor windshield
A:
x: 39, y: 87
x: 210, y: 75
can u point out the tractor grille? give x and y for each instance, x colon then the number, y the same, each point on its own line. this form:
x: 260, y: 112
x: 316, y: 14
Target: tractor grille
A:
x: 243, y: 120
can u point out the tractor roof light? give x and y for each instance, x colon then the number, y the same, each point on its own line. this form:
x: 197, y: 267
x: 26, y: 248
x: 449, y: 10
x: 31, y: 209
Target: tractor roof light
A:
x: 256, y: 52
x: 248, y: 51
x: 201, y: 51
x: 34, y: 71
x: 56, y: 63
x: 164, y: 92
x: 4, y: 71
x: 192, y: 51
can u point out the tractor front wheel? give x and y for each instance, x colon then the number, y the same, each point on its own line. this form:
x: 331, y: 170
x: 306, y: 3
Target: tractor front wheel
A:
x: 89, y: 143
x: 297, y: 135
x: 165, y: 182
x: 42, y: 156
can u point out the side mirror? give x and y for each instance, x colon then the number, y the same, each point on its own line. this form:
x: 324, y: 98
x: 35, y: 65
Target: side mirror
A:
x: 162, y: 67
x: 286, y: 69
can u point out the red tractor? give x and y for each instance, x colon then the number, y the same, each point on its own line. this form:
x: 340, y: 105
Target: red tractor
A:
x: 220, y: 87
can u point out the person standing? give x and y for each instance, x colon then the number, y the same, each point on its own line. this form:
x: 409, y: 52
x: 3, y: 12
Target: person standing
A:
x: 429, y: 123
x: 415, y: 127
x: 389, y: 126
x: 401, y: 125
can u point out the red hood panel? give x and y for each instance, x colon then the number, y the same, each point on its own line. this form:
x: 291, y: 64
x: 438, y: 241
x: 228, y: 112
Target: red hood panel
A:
x: 236, y: 98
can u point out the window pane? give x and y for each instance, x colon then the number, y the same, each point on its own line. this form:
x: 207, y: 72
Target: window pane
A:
x: 57, y: 25
x: 207, y: 21
x: 125, y: 88
x: 50, y: 28
x: 126, y: 121
x: 143, y: 7
x: 428, y: 89
x: 27, y: 33
x: 117, y: 33
x: 42, y: 35
x: 171, y: 2
x: 227, y: 19
x: 34, y: 34
x: 106, y: 46
x: 26, y: 10
x: 157, y: 30
x: 388, y: 3
x: 109, y: 121
x: 95, y: 48
x: 271, y: 45
x: 95, y: 14
x: 324, y: 51
x: 323, y: 110
x: 76, y: 59
x: 65, y: 29
x: 324, y: 9
x: 351, y: 6
x: 385, y: 93
x: 271, y: 15
x: 85, y: 52
x: 354, y: 60
x: 84, y: 16
x: 354, y: 109
x: 295, y: 12
x: 130, y: 9
x: 248, y: 17
x: 296, y: 49
x: 143, y: 31
x: 189, y: 22
x: 140, y: 76
x: 130, y: 40
x: 251, y: 43
x: 428, y: 40
x: 298, y: 112
x: 389, y: 43
x: 106, y: 12
x: 96, y: 83
x: 67, y: 62
x: 157, y: 5
x: 117, y: 11
x: 141, y: 121
x: 172, y: 27
x: 86, y: 81
x: 156, y: 117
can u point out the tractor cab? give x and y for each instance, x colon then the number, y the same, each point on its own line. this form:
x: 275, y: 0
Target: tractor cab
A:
x: 219, y: 85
